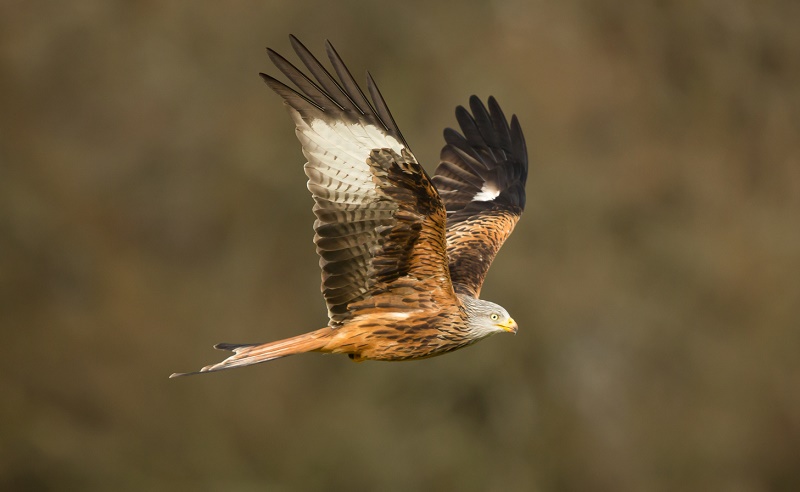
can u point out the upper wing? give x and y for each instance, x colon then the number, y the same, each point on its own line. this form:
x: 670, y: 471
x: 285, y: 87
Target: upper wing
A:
x: 481, y: 179
x: 379, y: 218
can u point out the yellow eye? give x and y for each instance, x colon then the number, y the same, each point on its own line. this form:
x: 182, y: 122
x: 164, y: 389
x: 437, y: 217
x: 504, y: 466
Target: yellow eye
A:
x: 494, y: 317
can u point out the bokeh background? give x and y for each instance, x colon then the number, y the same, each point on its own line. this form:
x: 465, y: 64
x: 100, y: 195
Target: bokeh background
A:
x: 153, y: 203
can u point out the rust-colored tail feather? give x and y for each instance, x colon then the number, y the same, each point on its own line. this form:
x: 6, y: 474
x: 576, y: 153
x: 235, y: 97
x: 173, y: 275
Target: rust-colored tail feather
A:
x: 253, y: 353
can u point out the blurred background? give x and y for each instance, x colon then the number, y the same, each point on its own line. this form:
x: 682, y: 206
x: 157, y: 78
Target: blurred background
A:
x: 153, y: 203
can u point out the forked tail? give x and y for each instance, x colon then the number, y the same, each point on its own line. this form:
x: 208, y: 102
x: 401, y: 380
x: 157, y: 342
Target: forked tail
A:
x: 253, y: 353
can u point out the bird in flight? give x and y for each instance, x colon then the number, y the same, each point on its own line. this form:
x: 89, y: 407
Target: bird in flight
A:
x: 403, y: 255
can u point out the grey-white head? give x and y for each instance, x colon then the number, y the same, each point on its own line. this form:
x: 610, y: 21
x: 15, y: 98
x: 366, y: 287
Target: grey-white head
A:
x: 487, y: 318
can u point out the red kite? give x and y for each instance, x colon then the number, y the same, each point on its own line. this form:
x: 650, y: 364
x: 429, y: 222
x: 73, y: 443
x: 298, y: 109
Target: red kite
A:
x: 403, y: 256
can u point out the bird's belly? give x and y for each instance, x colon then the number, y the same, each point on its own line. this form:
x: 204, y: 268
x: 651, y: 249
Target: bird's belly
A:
x: 398, y: 345
x: 401, y: 335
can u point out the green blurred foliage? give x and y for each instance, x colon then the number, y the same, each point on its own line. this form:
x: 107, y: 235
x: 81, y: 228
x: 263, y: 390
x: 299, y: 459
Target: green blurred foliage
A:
x: 152, y: 203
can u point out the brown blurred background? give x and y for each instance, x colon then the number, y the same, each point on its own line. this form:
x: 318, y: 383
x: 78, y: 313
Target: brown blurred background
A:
x: 153, y: 203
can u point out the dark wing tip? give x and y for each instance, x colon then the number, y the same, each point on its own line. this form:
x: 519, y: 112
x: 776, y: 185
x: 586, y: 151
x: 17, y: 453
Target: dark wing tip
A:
x: 335, y: 93
x: 518, y: 139
x: 489, y: 150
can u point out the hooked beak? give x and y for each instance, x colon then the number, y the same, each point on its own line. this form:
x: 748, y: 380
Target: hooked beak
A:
x: 510, y: 326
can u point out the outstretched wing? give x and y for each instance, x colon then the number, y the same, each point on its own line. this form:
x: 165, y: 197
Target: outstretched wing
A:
x: 481, y: 179
x: 379, y: 218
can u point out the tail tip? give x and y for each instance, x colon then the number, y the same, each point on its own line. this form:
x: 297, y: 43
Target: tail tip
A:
x: 180, y: 374
x: 231, y: 347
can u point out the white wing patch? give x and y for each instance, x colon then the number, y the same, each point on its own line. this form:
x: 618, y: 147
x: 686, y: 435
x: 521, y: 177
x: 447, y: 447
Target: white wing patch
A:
x: 337, y: 154
x: 359, y: 140
x: 487, y: 194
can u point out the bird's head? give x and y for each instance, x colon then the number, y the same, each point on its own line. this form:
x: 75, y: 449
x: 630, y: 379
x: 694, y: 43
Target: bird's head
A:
x: 487, y: 318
